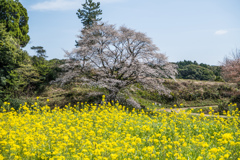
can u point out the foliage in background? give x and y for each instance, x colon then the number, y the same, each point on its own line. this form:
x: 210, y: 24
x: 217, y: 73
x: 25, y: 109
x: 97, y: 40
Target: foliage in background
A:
x: 47, y: 69
x: 193, y: 70
x: 196, y: 72
x: 15, y: 18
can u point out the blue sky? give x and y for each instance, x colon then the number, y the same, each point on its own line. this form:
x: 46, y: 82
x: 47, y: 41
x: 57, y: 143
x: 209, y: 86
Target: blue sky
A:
x: 201, y: 30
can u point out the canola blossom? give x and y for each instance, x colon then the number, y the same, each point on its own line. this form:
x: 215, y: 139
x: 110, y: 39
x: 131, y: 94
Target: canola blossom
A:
x: 110, y: 131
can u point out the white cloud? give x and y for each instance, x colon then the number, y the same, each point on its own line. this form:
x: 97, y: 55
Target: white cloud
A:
x: 110, y: 1
x: 56, y: 5
x: 221, y: 32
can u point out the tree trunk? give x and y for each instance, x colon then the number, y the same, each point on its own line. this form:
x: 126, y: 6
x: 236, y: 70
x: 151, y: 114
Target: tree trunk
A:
x: 112, y: 95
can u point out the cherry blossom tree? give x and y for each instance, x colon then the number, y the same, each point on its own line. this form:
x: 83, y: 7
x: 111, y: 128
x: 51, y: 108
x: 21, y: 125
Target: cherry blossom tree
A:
x: 231, y: 67
x: 116, y: 58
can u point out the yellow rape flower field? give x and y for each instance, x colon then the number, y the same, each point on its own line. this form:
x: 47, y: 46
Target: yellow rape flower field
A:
x: 112, y: 132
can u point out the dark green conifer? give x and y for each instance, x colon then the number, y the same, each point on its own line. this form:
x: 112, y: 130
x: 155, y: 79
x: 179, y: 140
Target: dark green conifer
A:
x: 89, y: 13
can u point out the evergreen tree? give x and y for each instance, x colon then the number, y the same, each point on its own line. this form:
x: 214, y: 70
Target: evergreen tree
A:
x: 15, y: 18
x: 40, y: 51
x: 47, y: 70
x: 11, y: 58
x: 10, y: 52
x: 23, y: 78
x: 89, y: 13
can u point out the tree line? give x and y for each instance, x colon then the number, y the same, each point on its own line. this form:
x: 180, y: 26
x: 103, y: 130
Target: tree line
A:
x: 110, y: 57
x: 193, y: 70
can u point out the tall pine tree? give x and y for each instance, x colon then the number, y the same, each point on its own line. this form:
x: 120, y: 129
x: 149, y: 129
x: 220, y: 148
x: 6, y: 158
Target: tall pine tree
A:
x: 89, y: 13
x: 40, y: 51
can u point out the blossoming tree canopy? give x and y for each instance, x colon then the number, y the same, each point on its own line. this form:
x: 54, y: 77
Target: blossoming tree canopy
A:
x: 115, y: 58
x: 231, y: 67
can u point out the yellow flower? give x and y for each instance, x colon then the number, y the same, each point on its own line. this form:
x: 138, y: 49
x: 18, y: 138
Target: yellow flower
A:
x: 114, y: 156
x: 226, y: 156
x: 227, y: 136
x: 199, y: 158
x: 213, y: 150
x: 184, y: 144
x: 112, y: 132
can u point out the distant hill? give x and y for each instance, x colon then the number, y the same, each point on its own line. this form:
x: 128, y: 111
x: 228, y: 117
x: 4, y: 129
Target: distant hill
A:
x: 193, y: 70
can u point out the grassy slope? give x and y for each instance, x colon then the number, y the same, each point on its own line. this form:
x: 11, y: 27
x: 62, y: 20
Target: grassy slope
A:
x: 187, y: 92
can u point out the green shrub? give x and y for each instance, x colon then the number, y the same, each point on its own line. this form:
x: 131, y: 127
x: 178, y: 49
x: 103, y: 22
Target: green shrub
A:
x: 222, y: 107
x: 225, y: 106
x: 16, y: 102
x: 236, y: 99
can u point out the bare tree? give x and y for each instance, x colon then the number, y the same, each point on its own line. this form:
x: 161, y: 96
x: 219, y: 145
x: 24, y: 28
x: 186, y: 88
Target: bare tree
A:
x: 231, y: 67
x: 115, y: 58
